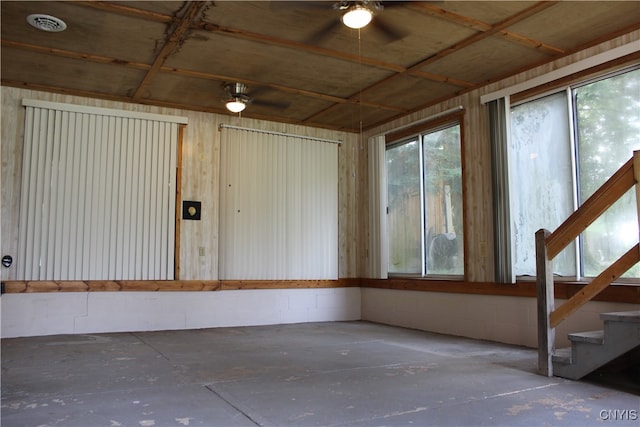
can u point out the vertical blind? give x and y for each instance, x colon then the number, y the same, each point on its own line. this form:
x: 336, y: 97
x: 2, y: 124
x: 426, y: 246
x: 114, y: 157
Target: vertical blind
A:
x: 278, y: 207
x: 499, y: 129
x: 98, y: 194
x: 378, y: 235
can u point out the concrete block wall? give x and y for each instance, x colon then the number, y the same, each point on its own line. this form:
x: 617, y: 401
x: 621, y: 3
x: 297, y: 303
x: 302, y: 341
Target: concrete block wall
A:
x: 510, y: 320
x: 94, y: 312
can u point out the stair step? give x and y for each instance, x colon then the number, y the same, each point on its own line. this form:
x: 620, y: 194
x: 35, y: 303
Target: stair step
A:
x: 622, y: 316
x: 593, y: 337
x: 589, y: 351
x: 562, y: 355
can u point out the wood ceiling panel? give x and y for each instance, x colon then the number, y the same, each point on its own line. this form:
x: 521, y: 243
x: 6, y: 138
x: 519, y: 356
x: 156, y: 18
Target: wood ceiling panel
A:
x: 485, y: 60
x: 564, y: 24
x: 410, y: 92
x: 164, y: 7
x: 490, y: 12
x: 74, y: 74
x: 227, y: 56
x: 349, y: 116
x: 88, y: 30
x: 425, y: 36
x: 290, y: 20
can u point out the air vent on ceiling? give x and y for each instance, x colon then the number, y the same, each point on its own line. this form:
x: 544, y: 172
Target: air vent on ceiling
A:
x: 46, y: 23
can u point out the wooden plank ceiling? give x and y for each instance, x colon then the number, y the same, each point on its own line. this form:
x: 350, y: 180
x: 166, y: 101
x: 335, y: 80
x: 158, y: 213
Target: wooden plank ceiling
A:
x: 301, y: 65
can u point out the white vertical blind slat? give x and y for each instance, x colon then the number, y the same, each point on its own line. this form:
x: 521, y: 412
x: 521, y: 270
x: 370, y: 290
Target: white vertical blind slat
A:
x: 99, y: 261
x: 161, y: 189
x: 78, y: 191
x: 121, y: 256
x: 89, y: 133
x: 115, y: 161
x: 152, y: 217
x: 171, y: 156
x: 86, y: 175
x: 139, y: 212
x: 27, y: 158
x: 65, y: 207
x: 58, y: 196
x: 42, y: 196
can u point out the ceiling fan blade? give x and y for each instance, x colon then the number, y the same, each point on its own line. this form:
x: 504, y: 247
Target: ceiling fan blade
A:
x: 394, y: 3
x: 281, y: 5
x: 323, y: 32
x: 257, y: 91
x: 390, y: 32
x: 271, y: 104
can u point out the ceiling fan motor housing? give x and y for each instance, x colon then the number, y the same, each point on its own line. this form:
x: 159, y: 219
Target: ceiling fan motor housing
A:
x: 236, y: 89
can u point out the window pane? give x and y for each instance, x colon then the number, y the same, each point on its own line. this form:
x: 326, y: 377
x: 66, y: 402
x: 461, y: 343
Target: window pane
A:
x: 443, y: 201
x: 608, y: 130
x: 541, y: 179
x: 404, y: 218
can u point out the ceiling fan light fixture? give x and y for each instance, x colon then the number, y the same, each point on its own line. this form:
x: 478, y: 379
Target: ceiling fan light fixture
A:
x: 235, y: 105
x: 357, y: 17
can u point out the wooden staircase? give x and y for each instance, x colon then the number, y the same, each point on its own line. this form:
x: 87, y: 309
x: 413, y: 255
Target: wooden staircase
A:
x: 591, y: 350
x: 621, y: 333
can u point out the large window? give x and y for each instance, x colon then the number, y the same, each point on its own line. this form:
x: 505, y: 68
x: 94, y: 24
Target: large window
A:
x: 425, y: 215
x: 563, y: 147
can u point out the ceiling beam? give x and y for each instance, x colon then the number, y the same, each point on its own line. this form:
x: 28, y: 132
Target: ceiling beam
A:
x: 74, y: 55
x: 477, y: 25
x: 179, y: 31
x: 122, y: 9
x: 532, y: 10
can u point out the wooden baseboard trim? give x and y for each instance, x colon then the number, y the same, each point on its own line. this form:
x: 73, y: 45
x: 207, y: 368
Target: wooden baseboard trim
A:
x: 18, y: 287
x: 614, y: 293
x: 625, y: 293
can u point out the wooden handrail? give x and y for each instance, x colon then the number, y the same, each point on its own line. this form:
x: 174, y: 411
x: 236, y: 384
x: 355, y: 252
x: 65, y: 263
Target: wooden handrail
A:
x: 619, y: 183
x: 597, y: 285
x: 549, y: 245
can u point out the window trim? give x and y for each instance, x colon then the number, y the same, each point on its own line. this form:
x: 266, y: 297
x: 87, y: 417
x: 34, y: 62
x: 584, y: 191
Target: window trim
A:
x: 405, y: 135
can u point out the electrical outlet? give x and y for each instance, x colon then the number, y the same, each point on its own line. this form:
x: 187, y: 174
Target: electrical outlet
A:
x: 201, y: 251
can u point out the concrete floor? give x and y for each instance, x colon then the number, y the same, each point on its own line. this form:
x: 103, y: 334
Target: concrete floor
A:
x: 327, y: 374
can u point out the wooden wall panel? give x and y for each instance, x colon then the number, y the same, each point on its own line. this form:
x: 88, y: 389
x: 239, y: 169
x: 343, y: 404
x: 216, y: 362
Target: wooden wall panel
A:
x: 350, y: 199
x: 200, y: 179
x: 12, y: 130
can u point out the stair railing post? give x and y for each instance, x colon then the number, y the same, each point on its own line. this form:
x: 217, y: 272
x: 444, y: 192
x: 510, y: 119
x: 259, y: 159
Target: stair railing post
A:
x: 545, y: 294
